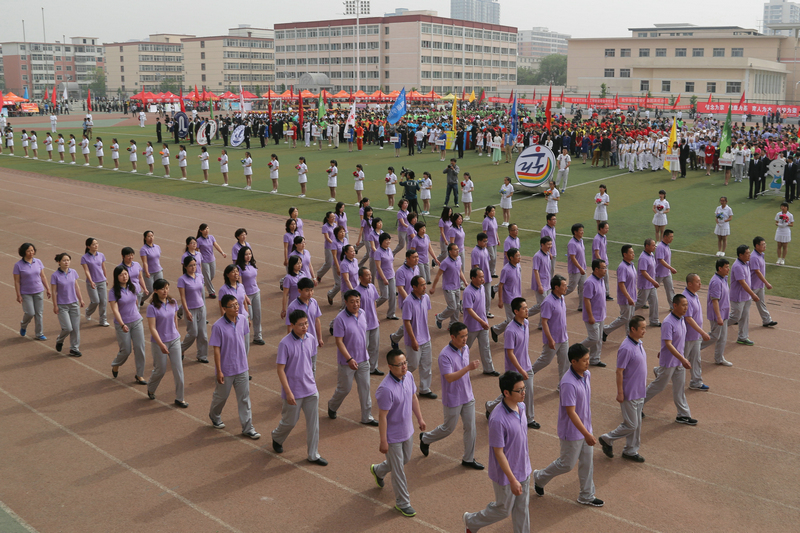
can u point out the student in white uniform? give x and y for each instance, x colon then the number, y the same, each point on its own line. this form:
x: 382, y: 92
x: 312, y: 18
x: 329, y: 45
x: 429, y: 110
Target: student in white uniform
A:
x: 10, y: 141
x: 72, y: 148
x: 34, y: 145
x: 115, y: 153
x: 203, y: 157
x: 53, y: 122
x: 247, y: 163
x: 149, y: 158
x: 165, y: 159
x: 142, y: 118
x: 25, y: 143
x: 133, y: 157
x: 48, y: 146
x: 391, y: 186
x: 302, y: 173
x: 223, y: 166
x: 358, y: 176
x: 182, y: 161
x: 61, y: 146
x: 85, y: 150
x: 98, y: 151
x: 274, y: 172
x: 333, y: 172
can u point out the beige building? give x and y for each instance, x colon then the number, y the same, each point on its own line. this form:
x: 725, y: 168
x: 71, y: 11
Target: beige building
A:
x: 673, y: 59
x: 142, y: 65
x: 416, y: 49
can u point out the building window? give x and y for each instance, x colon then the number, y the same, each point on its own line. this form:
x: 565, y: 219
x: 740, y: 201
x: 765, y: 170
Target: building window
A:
x: 425, y: 44
x: 737, y: 52
x: 121, y: 59
x: 733, y: 87
x: 665, y: 86
x: 122, y: 78
x: 610, y: 52
x: 644, y: 52
x: 385, y: 60
x: 624, y: 73
x: 718, y: 52
x: 202, y: 45
x: 711, y: 87
x: 386, y: 74
x: 386, y: 30
x: 67, y: 49
x: 680, y: 52
x: 661, y: 52
x: 202, y: 66
x: 386, y: 45
x: 698, y: 52
x: 202, y: 55
x: 608, y: 73
x: 689, y: 87
x: 121, y: 68
x: 641, y: 34
x: 437, y: 45
x: 203, y: 77
x: 644, y: 85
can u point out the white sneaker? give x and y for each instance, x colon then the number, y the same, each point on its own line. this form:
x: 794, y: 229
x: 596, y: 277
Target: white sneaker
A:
x: 35, y: 157
x: 99, y: 166
x: 26, y: 157
x: 247, y: 187
x: 224, y: 184
x: 390, y: 208
x: 133, y: 171
x: 331, y: 199
x: 166, y: 175
x: 60, y: 161
x: 183, y: 179
x: 86, y: 164
x: 778, y: 262
x: 466, y: 218
x: 301, y: 195
x: 724, y: 362
x: 149, y: 174
x: 274, y: 191
x: 115, y: 169
x: 205, y: 181
x: 72, y: 163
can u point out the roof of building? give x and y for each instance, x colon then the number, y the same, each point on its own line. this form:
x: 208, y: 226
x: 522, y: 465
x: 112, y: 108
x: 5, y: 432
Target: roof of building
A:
x: 394, y: 20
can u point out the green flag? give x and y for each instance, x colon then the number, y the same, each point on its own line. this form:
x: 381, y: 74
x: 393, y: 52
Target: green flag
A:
x: 211, y: 108
x: 725, y: 141
x: 320, y: 107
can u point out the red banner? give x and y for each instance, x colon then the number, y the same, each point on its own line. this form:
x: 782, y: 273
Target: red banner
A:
x: 751, y: 109
x: 30, y: 108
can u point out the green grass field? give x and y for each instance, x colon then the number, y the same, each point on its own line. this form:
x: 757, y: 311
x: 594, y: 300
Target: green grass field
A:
x: 692, y: 200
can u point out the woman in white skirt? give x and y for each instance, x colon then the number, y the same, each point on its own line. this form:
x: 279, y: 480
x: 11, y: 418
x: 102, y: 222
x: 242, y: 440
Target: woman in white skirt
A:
x: 25, y: 141
x: 203, y: 157
x: 34, y: 145
x: 660, y: 210
x: 391, y: 186
x: 133, y: 157
x: 358, y: 177
x: 165, y: 158
x: 333, y: 172
x: 67, y: 303
x: 601, y: 200
x: 48, y: 146
x: 552, y: 195
x: 302, y: 175
x: 274, y: 167
x: 165, y: 341
x: 722, y: 215
x: 425, y: 192
x: 181, y: 157
x: 190, y: 285
x: 72, y: 148
x: 115, y: 153
x: 247, y: 164
x: 61, y: 147
x: 223, y: 167
x: 10, y: 140
x: 783, y: 235
x: 150, y: 158
x: 98, y: 151
x: 85, y: 150
x: 467, y: 186
x: 506, y: 192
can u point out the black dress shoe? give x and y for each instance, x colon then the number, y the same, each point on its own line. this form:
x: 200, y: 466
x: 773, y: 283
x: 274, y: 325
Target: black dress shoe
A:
x: 75, y: 353
x: 475, y: 465
x: 372, y: 422
x: 635, y: 458
x: 392, y: 318
x: 151, y: 395
x: 428, y: 394
x: 607, y: 448
x: 181, y: 404
x: 377, y: 372
x: 605, y: 336
x: 204, y: 361
x: 277, y: 447
x: 494, y: 335
x: 599, y: 364
x: 319, y: 461
x: 331, y: 330
x: 259, y: 342
x: 114, y: 373
x: 492, y: 373
x: 331, y: 414
x: 534, y: 424
x: 140, y: 381
x: 424, y: 448
x: 59, y: 345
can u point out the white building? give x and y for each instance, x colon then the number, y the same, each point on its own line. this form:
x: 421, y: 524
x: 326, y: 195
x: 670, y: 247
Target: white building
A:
x: 485, y: 11
x: 780, y: 12
x: 541, y: 42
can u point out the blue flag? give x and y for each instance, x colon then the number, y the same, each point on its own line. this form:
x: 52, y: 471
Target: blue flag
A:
x: 514, y: 117
x: 398, y: 108
x: 25, y: 94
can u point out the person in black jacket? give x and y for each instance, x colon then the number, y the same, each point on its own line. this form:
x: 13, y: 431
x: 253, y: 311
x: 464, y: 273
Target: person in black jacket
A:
x: 460, y: 142
x: 223, y: 130
x: 247, y: 133
x: 756, y: 174
x: 683, y: 156
x: 790, y: 178
x: 158, y: 131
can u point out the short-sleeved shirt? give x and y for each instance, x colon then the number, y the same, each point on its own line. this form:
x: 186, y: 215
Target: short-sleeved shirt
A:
x: 647, y: 263
x: 459, y: 391
x: 30, y: 276
x: 446, y: 224
x: 416, y: 310
x: 421, y: 245
x: 511, y: 278
x: 548, y: 231
x: 197, y: 256
x: 230, y: 338
x: 249, y: 279
x: 490, y: 229
x: 352, y: 329
x: 65, y: 284
x: 672, y: 329
x: 165, y: 321
x: 396, y: 396
x: 509, y: 430
x: 311, y: 309
x: 576, y: 248
x: 554, y: 309
x: 327, y: 229
x: 627, y: 275
x: 576, y: 391
x: 95, y: 265
x: 457, y: 234
x: 663, y: 251
x: 718, y: 290
x: 239, y: 293
x: 757, y: 263
x: 599, y: 244
x: 451, y: 270
x: 290, y: 284
x: 474, y: 298
x: 480, y: 258
x: 305, y: 258
x: 516, y: 338
x: 193, y: 289
x: 595, y: 289
x: 386, y: 257
x: 404, y: 276
x: 153, y: 256
x: 369, y: 295
x: 295, y: 353
x: 632, y: 358
x: 128, y: 305
x: 238, y: 246
x: 541, y: 264
x: 349, y: 267
x: 695, y: 311
x: 739, y: 271
x: 508, y: 244
x: 206, y: 245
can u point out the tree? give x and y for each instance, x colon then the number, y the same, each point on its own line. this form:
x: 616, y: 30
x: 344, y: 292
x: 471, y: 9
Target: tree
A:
x: 169, y: 85
x: 693, y: 102
x: 552, y: 70
x: 603, y: 90
x: 97, y: 82
x: 526, y: 76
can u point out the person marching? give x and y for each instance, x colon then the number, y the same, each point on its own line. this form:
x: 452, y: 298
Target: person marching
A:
x: 646, y: 285
x: 741, y: 294
x: 695, y: 334
x: 190, y: 286
x: 758, y: 280
x: 67, y: 303
x: 165, y: 341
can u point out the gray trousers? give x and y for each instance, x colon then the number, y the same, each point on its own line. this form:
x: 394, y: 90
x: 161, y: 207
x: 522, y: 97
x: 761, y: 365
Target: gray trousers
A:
x: 594, y: 341
x: 401, y: 241
x: 398, y: 455
x: 487, y: 291
x: 547, y: 356
x: 605, y: 280
x: 209, y: 271
x: 678, y: 376
x: 761, y: 305
x: 536, y: 309
x: 388, y: 293
x: 344, y: 383
x: 160, y: 366
x: 492, y: 260
x: 483, y: 346
x: 504, y: 504
x: 572, y: 451
x: 241, y: 385
x: 740, y: 313
x: 453, y: 311
x: 337, y: 286
x: 501, y: 327
x: 442, y: 250
x: 255, y: 316
x: 630, y: 428
x: 328, y: 263
x: 373, y: 347
x: 649, y: 297
x: 367, y: 252
x: 576, y: 281
x: 491, y: 404
x: 69, y: 316
x: 148, y: 282
x: 290, y: 414
x: 552, y: 267
x: 33, y: 308
x: 666, y: 282
x: 692, y: 354
x: 98, y: 298
x: 425, y: 271
x: 451, y: 414
x: 719, y: 336
x: 197, y: 330
x: 133, y: 341
x: 626, y: 313
x: 421, y: 359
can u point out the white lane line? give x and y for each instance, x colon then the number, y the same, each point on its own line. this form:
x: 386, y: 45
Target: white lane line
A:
x: 17, y: 518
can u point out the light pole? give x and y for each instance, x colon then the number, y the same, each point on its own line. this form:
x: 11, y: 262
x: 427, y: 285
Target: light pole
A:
x: 357, y: 8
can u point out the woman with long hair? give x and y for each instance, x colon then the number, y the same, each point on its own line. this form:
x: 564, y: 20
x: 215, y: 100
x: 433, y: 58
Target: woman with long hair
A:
x: 339, y: 241
x: 402, y: 225
x: 249, y: 275
x: 150, y: 255
x: 247, y: 165
x: 223, y: 167
x: 190, y: 286
x: 333, y: 173
x: 457, y: 235
x: 124, y: 302
x: 289, y: 285
x: 165, y: 341
x: 133, y: 157
x: 490, y: 229
x: 181, y: 157
x: 299, y: 249
x: 67, y: 303
x: 94, y: 266
x: 98, y: 151
x: 85, y: 150
x: 115, y: 154
x: 445, y: 223
x: 295, y: 214
x: 274, y: 172
x: 208, y: 244
x: 328, y: 227
x: 149, y: 158
x: 203, y: 157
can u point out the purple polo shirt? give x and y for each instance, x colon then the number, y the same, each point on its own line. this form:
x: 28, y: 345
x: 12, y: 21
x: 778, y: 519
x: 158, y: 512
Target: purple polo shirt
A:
x: 509, y: 430
x: 663, y: 251
x: 548, y: 231
x: 446, y: 224
x: 353, y: 331
x: 555, y: 311
x: 480, y: 258
x: 595, y: 289
x: 296, y: 353
x: 153, y: 256
x: 299, y: 222
x: 369, y: 295
x: 457, y: 234
x: 65, y: 284
x: 165, y: 321
x: 632, y: 358
x: 341, y: 220
x: 229, y: 337
x: 516, y: 338
x: 451, y: 270
x: 739, y: 271
x: 305, y: 258
x: 128, y: 306
x: 311, y: 310
x: 718, y: 290
x: 396, y: 396
x: 351, y: 268
x: 373, y: 238
x: 134, y: 273
x: 696, y: 312
x: 249, y: 279
x: 240, y: 296
x: 411, y: 233
x: 402, y: 215
x: 757, y: 262
x: 290, y: 283
x: 288, y: 238
x: 198, y: 258
x: 337, y: 251
x: 193, y: 289
x: 475, y: 299
x: 599, y: 244
x: 672, y: 329
x: 490, y: 229
x: 416, y: 310
x: 30, y: 276
x: 511, y: 278
x: 421, y: 245
x: 459, y: 391
x: 627, y: 275
x: 386, y: 257
x: 95, y: 265
x: 647, y: 263
x: 404, y: 276
x: 327, y: 229
x: 576, y: 248
x: 206, y: 245
x: 541, y: 263
x: 507, y: 245
x: 576, y: 391
x: 236, y: 247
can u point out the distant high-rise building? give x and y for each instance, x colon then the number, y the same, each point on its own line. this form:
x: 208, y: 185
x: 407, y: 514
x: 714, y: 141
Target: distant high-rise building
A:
x: 485, y: 11
x: 541, y: 42
x: 780, y: 12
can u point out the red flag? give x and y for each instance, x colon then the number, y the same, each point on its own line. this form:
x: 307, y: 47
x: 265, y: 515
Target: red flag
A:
x: 562, y: 97
x: 197, y: 94
x: 300, y: 122
x: 534, y: 96
x: 616, y: 100
x: 589, y: 100
x: 483, y: 96
x: 677, y: 100
x: 269, y: 109
x: 89, y: 101
x: 183, y: 106
x: 511, y: 98
x: 46, y: 95
x: 709, y: 98
x: 351, y: 96
x: 53, y: 96
x: 324, y: 97
x: 741, y: 100
x: 547, y: 113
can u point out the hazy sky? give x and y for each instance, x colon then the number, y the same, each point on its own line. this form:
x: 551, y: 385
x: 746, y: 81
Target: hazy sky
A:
x: 120, y: 21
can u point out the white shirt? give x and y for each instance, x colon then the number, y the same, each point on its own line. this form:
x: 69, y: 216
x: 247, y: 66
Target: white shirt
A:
x: 563, y: 161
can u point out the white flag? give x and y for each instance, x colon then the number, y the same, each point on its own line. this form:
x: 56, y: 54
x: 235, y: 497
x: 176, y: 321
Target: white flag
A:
x: 351, y: 118
x: 241, y: 101
x: 66, y: 95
